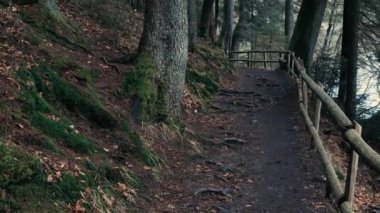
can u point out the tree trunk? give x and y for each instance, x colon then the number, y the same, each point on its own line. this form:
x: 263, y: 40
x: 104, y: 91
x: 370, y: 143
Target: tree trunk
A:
x: 349, y: 58
x: 241, y: 26
x: 225, y: 39
x: 213, y: 24
x: 204, y: 25
x: 326, y: 43
x: 306, y: 31
x: 288, y: 18
x: 165, y: 41
x: 192, y: 13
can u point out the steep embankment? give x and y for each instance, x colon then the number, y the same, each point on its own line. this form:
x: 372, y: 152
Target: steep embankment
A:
x: 69, y: 137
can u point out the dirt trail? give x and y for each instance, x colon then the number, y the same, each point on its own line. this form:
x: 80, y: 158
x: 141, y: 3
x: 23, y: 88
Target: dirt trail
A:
x: 272, y: 170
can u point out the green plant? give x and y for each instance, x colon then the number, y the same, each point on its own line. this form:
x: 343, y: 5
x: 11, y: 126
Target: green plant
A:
x: 145, y: 153
x: 15, y: 165
x: 62, y: 129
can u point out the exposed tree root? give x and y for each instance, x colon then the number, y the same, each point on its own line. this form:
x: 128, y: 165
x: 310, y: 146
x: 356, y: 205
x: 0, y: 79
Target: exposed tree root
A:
x: 236, y: 92
x: 220, y: 166
x: 233, y: 141
x: 224, y: 192
x: 109, y: 64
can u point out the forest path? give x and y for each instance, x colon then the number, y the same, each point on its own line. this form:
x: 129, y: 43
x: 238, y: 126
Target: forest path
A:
x: 272, y: 170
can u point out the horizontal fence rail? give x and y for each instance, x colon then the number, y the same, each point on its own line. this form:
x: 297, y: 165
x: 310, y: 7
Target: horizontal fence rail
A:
x: 350, y: 129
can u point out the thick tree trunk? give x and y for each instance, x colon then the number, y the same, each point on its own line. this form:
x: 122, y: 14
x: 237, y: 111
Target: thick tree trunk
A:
x: 225, y: 39
x: 204, y: 26
x: 165, y: 40
x: 349, y: 58
x: 289, y: 18
x: 306, y: 31
x: 192, y: 13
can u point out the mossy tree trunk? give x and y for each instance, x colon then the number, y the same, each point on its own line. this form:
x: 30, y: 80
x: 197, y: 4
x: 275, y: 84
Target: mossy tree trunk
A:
x: 349, y: 57
x: 306, y: 31
x: 206, y: 16
x: 192, y: 15
x: 165, y: 40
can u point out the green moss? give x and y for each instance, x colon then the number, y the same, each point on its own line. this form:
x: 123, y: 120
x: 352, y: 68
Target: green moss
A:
x: 50, y: 23
x: 55, y: 89
x: 43, y: 142
x: 37, y: 194
x: 61, y: 130
x: 16, y: 166
x: 201, y: 83
x: 145, y: 87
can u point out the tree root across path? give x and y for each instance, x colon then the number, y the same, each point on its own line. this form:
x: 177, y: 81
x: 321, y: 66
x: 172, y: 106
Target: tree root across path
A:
x: 221, y: 166
x: 233, y: 141
x: 224, y: 192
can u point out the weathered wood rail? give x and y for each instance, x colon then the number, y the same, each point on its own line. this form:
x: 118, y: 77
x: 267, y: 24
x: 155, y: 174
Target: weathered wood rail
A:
x: 351, y: 130
x: 252, y: 58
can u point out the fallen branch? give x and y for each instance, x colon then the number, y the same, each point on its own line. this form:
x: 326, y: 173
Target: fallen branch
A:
x: 224, y: 192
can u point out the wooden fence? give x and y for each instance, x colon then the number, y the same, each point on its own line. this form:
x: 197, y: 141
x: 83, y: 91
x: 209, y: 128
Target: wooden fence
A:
x: 350, y: 129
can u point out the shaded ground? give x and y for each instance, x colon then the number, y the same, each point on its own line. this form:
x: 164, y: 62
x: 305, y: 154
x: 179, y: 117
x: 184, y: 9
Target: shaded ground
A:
x: 270, y: 170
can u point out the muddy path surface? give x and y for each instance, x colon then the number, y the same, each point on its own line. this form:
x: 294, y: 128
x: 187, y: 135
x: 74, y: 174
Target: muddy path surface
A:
x: 257, y: 156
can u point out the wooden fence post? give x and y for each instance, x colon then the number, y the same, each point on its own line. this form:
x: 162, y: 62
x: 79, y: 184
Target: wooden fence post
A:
x: 317, y: 117
x: 352, y: 170
x: 305, y: 98
x: 265, y: 60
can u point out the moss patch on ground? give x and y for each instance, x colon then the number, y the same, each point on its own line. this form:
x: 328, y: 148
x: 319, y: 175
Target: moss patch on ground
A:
x: 48, y: 22
x: 16, y: 166
x: 55, y: 89
x: 62, y: 129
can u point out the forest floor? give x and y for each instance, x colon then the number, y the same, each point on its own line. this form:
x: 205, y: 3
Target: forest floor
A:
x: 257, y: 157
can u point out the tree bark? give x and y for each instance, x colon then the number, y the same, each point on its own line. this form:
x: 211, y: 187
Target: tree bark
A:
x: 213, y: 23
x: 165, y: 40
x: 320, y: 73
x: 289, y: 18
x: 225, y: 39
x: 241, y: 26
x: 192, y: 15
x: 349, y: 57
x: 204, y: 26
x: 306, y: 31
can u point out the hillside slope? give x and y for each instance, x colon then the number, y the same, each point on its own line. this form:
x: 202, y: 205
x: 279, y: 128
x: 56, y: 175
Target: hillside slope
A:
x: 70, y: 137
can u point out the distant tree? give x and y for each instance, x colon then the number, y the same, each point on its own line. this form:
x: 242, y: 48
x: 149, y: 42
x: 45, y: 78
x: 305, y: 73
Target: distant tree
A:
x: 349, y: 57
x: 225, y: 39
x: 289, y: 17
x: 242, y: 25
x: 306, y: 31
x: 206, y: 17
x: 165, y: 41
x: 192, y: 13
